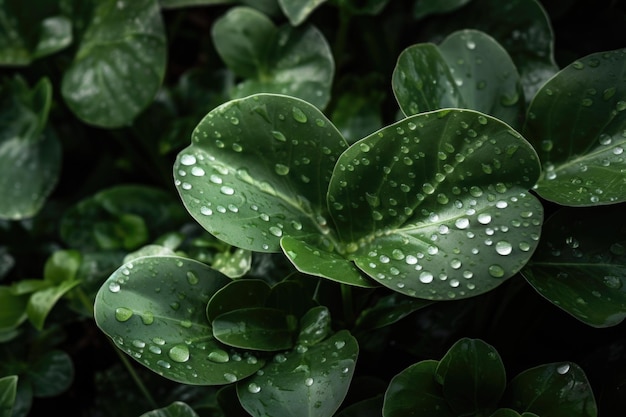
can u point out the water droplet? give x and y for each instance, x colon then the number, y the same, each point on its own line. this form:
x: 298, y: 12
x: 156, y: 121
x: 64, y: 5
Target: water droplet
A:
x: 364, y: 147
x: 226, y: 190
x: 471, y: 45
x: 147, y: 318
x: 234, y: 120
x: 186, y: 186
x: 612, y: 282
x: 179, y: 353
x: 218, y: 356
x: 618, y: 249
x: 308, y: 382
x: 455, y: 263
x: 206, y: 211
x: 281, y: 169
x: 426, y: 277
x: 586, y: 102
x: 298, y: 115
x: 192, y: 278
x: 164, y: 364
x: 428, y: 188
x: 503, y: 247
x: 620, y: 106
x: 230, y: 377
x: 114, y: 287
x: 339, y: 344
x: 496, y: 271
x: 123, y: 314
x: 484, y: 218
x: 578, y: 65
x: 462, y: 223
x: 253, y: 388
x: 410, y: 260
x: 187, y: 159
x: 197, y: 171
x: 276, y: 231
x: 279, y: 136
x: 563, y: 369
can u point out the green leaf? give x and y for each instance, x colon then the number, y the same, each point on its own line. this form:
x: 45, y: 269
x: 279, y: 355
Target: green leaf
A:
x: 555, y: 390
x: 236, y: 295
x: 8, y: 389
x: 154, y: 310
x: 306, y: 382
x: 122, y: 216
x: 233, y: 264
x: 469, y: 69
x: 273, y: 60
x: 442, y: 204
x: 256, y: 328
x: 258, y: 169
x: 298, y: 10
x: 366, y: 408
x: 119, y: 65
x: 580, y: 264
x: 315, y: 326
x: 30, y: 154
x: 472, y: 376
x: 62, y: 266
x: 41, y: 302
x: 425, y: 8
x: 577, y: 123
x: 175, y: 409
x: 31, y: 30
x: 51, y: 374
x: 388, y: 310
x: 13, y: 312
x: 414, y: 391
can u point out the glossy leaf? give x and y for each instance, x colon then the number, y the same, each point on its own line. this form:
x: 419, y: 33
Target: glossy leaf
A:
x: 256, y: 328
x: 425, y: 8
x: 41, y: 302
x: 31, y: 30
x: 472, y: 376
x: 123, y: 216
x: 415, y: 392
x: 469, y: 69
x: 298, y: 10
x: 315, y: 326
x: 8, y: 389
x: 119, y: 65
x: 388, y: 310
x: 304, y: 382
x: 577, y: 122
x: 175, y: 409
x: 154, y: 310
x: 30, y: 154
x: 236, y: 295
x: 442, y: 204
x: 580, y: 264
x: 13, y: 312
x: 272, y: 59
x: 233, y: 264
x: 555, y: 390
x: 258, y: 169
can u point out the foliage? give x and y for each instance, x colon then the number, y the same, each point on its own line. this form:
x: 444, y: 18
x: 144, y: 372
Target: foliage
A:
x: 311, y: 208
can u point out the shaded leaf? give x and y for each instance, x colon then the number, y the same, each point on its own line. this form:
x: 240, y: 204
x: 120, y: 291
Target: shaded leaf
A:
x: 13, y: 312
x: 42, y: 301
x: 580, y: 264
x: 307, y: 381
x: 153, y: 307
x: 388, y: 310
x: 577, y: 123
x: 236, y: 295
x: 315, y: 326
x: 51, y: 374
x: 8, y: 389
x: 175, y: 409
x: 425, y: 8
x: 298, y: 10
x: 175, y: 4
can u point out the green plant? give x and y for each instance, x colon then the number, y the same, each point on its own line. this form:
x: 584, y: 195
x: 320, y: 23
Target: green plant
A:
x: 340, y: 216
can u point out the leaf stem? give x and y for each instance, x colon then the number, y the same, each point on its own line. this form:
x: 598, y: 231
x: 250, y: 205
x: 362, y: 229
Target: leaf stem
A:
x: 135, y: 377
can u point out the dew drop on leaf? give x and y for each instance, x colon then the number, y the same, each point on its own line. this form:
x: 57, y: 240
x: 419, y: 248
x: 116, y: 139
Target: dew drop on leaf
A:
x: 179, y: 353
x: 123, y: 314
x: 298, y: 115
x: 563, y: 369
x: 503, y: 247
x: 253, y: 388
x: 496, y: 271
x: 218, y: 356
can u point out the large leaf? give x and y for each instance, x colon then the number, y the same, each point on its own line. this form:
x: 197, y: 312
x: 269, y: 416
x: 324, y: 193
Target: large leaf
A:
x: 30, y: 154
x: 577, y: 122
x: 258, y: 169
x: 580, y: 264
x: 305, y: 382
x: 154, y: 310
x: 31, y: 30
x: 472, y: 376
x: 298, y: 10
x: 437, y: 206
x: 555, y: 390
x: 469, y: 69
x: 286, y: 60
x: 120, y: 63
x: 415, y: 391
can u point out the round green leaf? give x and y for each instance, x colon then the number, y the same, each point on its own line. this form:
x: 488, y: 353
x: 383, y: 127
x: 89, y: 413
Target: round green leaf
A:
x: 120, y: 63
x: 580, y: 264
x: 473, y: 377
x: 469, y: 69
x: 258, y: 169
x: 437, y: 206
x: 286, y: 60
x: 298, y: 10
x: 154, y: 310
x: 257, y: 328
x: 555, y: 389
x: 414, y: 391
x: 237, y: 294
x: 305, y: 382
x: 30, y: 153
x: 577, y: 122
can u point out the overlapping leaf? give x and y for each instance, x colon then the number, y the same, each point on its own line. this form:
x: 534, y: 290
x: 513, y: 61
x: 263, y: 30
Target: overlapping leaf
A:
x: 577, y: 122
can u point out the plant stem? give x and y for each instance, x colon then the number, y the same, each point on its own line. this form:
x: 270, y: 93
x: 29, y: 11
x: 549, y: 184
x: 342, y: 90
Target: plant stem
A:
x: 135, y: 377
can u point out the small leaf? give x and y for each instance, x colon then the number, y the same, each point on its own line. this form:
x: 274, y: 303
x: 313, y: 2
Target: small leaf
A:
x: 175, y: 409
x: 469, y: 69
x: 273, y: 59
x: 298, y: 10
x: 256, y: 328
x: 154, y: 306
x: 442, y: 204
x: 305, y: 382
x: 580, y: 264
x: 13, y: 312
x: 51, y: 374
x: 119, y: 65
x: 315, y: 326
x: 8, y: 389
x: 472, y: 375
x: 582, y: 156
x: 42, y: 301
x: 414, y: 391
x: 555, y: 389
x: 258, y: 169
x: 62, y: 266
x: 236, y: 295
